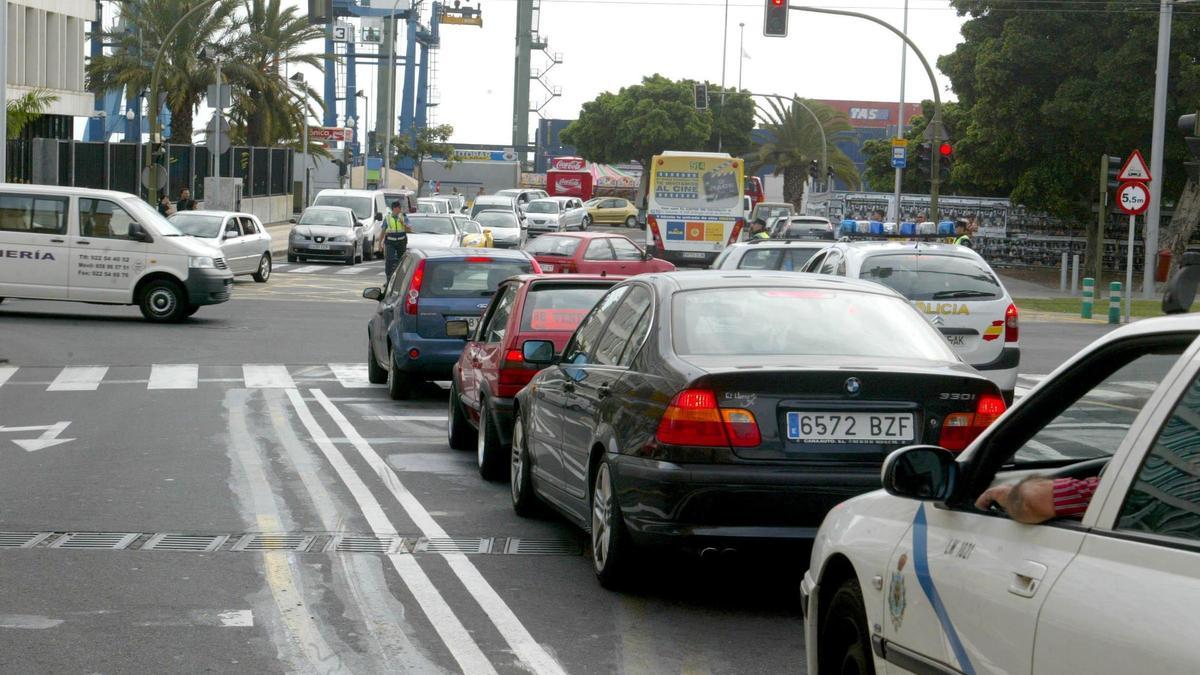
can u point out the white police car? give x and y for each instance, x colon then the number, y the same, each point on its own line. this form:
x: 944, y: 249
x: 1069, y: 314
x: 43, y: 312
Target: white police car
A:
x: 952, y: 285
x: 914, y: 578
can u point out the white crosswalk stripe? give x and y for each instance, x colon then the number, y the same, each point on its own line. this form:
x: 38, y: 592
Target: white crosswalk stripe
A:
x: 78, y: 378
x: 352, y: 375
x: 267, y: 377
x: 307, y: 269
x: 174, y: 376
x: 355, y: 270
x: 5, y: 373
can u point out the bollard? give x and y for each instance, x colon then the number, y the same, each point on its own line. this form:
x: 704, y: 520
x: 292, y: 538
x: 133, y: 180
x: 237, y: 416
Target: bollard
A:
x: 1075, y: 275
x: 1089, y: 291
x: 1114, y: 302
x: 1062, y: 274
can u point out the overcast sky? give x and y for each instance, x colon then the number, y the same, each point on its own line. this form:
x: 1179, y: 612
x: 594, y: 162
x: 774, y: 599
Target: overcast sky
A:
x: 607, y: 44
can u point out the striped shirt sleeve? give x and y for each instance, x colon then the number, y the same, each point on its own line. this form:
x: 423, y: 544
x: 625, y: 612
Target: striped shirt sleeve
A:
x: 1072, y: 496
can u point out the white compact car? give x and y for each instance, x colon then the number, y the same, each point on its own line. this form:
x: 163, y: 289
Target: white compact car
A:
x: 915, y: 578
x: 369, y: 207
x: 241, y: 237
x: 952, y: 286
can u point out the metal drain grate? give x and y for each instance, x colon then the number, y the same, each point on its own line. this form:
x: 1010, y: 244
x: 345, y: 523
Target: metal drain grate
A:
x: 454, y: 545
x: 516, y: 546
x: 22, y: 539
x: 353, y: 543
x: 274, y: 542
x: 113, y: 541
x: 168, y: 541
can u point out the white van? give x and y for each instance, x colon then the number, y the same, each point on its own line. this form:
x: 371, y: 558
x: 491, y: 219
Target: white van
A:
x: 100, y: 246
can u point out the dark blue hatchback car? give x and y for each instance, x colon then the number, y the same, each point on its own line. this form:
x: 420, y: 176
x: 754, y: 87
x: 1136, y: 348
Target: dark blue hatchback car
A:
x: 407, y: 340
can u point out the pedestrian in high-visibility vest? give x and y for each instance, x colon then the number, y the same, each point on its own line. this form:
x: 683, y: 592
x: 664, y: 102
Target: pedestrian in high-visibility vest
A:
x: 962, y: 235
x: 395, y: 237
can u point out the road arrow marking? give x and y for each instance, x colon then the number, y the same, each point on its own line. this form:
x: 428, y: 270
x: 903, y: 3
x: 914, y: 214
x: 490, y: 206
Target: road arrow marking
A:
x: 48, y: 439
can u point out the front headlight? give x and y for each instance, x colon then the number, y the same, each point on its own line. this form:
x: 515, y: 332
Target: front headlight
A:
x: 338, y: 238
x: 201, y: 262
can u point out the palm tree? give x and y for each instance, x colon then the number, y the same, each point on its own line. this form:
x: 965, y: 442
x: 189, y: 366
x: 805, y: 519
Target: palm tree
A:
x: 795, y: 142
x: 266, y: 109
x: 24, y: 110
x: 184, y: 76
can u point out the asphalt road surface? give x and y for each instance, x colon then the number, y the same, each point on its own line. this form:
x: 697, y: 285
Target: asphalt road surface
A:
x: 230, y: 495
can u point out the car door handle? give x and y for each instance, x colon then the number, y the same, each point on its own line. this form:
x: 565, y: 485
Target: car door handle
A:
x: 604, y: 391
x: 57, y: 241
x: 1027, y: 578
x: 84, y: 243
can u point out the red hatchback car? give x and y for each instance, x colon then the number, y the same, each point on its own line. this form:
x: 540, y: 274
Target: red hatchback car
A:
x: 494, y: 366
x: 593, y: 253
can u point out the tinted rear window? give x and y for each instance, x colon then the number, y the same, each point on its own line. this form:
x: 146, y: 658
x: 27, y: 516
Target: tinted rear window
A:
x: 559, y: 308
x: 933, y: 277
x: 550, y: 245
x: 804, y: 322
x: 468, y: 279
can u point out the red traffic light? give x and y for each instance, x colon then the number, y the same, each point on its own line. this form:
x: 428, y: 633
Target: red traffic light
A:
x: 946, y: 149
x: 778, y: 3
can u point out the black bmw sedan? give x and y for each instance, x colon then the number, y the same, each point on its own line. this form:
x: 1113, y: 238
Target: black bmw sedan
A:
x: 713, y: 410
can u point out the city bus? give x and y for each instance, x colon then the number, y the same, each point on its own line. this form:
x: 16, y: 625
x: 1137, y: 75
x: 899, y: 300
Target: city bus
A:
x: 694, y: 206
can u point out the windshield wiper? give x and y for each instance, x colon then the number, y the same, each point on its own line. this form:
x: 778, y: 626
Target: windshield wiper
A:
x: 943, y: 295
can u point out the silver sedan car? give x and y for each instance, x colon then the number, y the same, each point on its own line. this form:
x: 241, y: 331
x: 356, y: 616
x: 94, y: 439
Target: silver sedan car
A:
x: 240, y: 236
x: 327, y: 233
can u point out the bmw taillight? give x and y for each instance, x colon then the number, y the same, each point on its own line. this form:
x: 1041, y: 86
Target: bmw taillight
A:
x: 414, y: 290
x: 694, y: 419
x: 960, y: 429
x: 1011, y: 323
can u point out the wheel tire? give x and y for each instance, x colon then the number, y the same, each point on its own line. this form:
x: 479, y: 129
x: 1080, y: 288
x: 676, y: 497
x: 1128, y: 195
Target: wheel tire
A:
x: 489, y: 453
x: 520, y: 474
x: 399, y: 383
x: 376, y: 374
x: 587, y: 220
x: 631, y: 221
x: 612, y: 549
x: 369, y: 251
x: 264, y: 269
x: 291, y: 258
x: 458, y: 429
x: 163, y: 301
x: 845, y: 640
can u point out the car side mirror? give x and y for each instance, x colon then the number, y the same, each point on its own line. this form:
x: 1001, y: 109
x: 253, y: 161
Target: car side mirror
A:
x: 292, y: 221
x: 379, y: 216
x: 230, y: 234
x: 373, y: 293
x: 457, y: 328
x: 646, y: 255
x: 922, y: 472
x: 358, y: 224
x: 139, y: 233
x: 538, y: 352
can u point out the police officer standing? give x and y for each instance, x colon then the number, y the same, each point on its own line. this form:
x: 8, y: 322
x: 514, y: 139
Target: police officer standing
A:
x: 395, y: 237
x: 962, y: 232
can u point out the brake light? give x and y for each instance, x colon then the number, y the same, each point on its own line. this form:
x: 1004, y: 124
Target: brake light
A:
x: 514, y: 356
x: 960, y: 429
x: 414, y: 289
x: 515, y: 372
x: 737, y: 230
x: 652, y: 223
x: 1011, y: 323
x: 478, y: 259
x: 693, y: 418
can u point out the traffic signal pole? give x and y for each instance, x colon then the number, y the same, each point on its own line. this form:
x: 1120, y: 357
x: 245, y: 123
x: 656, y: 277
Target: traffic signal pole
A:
x: 935, y: 131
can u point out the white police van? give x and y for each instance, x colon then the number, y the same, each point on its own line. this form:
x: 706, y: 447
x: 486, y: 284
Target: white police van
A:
x: 915, y: 578
x: 99, y: 246
x: 952, y: 286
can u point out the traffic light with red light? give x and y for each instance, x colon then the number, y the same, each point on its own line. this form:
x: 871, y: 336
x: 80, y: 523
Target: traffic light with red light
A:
x: 946, y: 150
x: 775, y: 18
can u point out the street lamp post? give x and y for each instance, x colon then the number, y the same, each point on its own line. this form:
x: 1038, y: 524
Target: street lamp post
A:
x: 741, y: 51
x: 900, y: 113
x: 299, y: 79
x: 366, y: 146
x: 391, y: 93
x: 130, y: 116
x: 351, y: 123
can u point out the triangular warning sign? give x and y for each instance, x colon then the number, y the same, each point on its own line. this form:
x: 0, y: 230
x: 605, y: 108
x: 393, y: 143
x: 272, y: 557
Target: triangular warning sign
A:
x: 1135, y: 169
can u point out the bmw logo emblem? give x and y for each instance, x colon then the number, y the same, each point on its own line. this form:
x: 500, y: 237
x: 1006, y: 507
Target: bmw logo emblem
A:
x: 853, y: 386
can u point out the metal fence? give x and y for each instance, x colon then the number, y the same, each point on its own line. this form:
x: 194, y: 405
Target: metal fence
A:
x: 121, y: 166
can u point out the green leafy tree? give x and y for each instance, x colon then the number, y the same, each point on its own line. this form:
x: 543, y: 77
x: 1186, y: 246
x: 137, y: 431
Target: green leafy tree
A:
x: 732, y: 120
x: 268, y: 108
x: 184, y: 77
x: 796, y: 141
x: 25, y: 109
x: 425, y: 143
x: 639, y: 122
x: 1046, y: 92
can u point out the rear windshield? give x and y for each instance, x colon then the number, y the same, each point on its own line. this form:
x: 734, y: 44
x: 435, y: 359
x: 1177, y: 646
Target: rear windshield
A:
x: 551, y: 245
x: 786, y: 259
x: 491, y: 204
x: 543, y: 207
x: 933, y: 277
x: 501, y: 219
x: 360, y: 205
x: 559, y: 308
x: 804, y: 322
x: 469, y: 278
x: 430, y: 225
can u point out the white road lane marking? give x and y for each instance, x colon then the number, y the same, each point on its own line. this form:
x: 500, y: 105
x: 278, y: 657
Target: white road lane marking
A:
x: 404, y: 418
x: 174, y: 376
x: 307, y: 269
x: 352, y: 375
x: 529, y: 651
x: 458, y: 641
x: 236, y: 618
x: 266, y: 377
x: 78, y: 378
x: 6, y: 372
x: 357, y: 269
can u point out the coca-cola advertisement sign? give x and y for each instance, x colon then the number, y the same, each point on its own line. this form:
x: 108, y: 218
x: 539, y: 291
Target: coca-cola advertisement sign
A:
x: 567, y: 164
x: 568, y: 185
